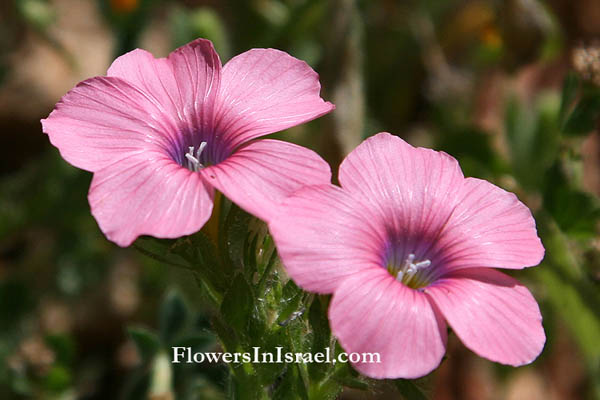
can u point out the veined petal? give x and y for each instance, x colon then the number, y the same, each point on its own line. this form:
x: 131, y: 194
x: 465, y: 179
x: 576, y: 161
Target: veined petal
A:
x: 197, y: 70
x: 259, y: 175
x: 371, y: 312
x: 492, y: 313
x: 414, y: 189
x: 184, y: 86
x: 149, y: 195
x: 264, y: 91
x: 105, y: 119
x: 323, y: 235
x: 154, y: 76
x: 489, y: 227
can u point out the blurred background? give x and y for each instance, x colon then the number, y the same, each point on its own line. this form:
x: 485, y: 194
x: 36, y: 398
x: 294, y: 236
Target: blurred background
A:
x: 509, y: 88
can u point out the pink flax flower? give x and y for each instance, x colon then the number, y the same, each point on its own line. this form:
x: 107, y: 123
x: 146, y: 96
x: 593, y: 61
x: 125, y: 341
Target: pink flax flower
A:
x: 407, y: 244
x: 160, y: 135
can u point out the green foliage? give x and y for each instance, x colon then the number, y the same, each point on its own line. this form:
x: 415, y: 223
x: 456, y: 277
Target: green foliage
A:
x: 372, y: 56
x: 173, y: 316
x: 155, y: 373
x: 237, y: 305
x: 255, y: 305
x: 545, y: 161
x: 128, y: 19
x: 409, y: 390
x: 576, y: 212
x: 190, y: 24
x: 58, y: 379
x: 571, y: 294
x: 258, y: 307
x: 146, y: 342
x: 533, y: 137
x: 579, y: 117
x: 38, y: 13
x: 569, y: 93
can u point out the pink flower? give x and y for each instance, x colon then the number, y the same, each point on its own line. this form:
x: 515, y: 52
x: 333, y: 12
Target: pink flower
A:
x: 160, y: 135
x: 406, y: 243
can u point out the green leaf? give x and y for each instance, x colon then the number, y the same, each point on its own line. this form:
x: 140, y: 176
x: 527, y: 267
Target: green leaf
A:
x: 575, y: 299
x: 201, y: 255
x: 472, y: 147
x: 352, y: 382
x: 299, y: 342
x: 289, y: 291
x: 58, y: 379
x: 533, y: 137
x: 196, y: 254
x: 63, y: 348
x: 347, y: 376
x: 270, y: 372
x: 160, y: 250
x: 569, y: 93
x: 290, y: 300
x: 203, y: 22
x: 237, y: 305
x: 321, y: 337
x: 39, y: 13
x: 331, y: 388
x: 225, y: 334
x: 233, y: 241
x: 127, y: 22
x: 546, y: 140
x: 146, y: 343
x: 173, y: 316
x: 291, y: 386
x: 584, y: 116
x: 576, y: 212
x: 409, y: 390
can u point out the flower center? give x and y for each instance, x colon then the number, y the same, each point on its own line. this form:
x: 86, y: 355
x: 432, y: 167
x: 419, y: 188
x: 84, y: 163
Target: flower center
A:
x: 410, y: 272
x: 193, y: 158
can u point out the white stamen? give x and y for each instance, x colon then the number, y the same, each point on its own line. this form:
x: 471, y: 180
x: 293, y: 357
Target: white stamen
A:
x: 410, y: 268
x: 194, y: 161
x: 200, y: 148
x: 409, y: 260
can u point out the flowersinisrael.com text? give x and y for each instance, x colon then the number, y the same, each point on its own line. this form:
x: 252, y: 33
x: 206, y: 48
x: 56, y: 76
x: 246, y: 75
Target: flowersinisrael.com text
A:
x: 187, y: 356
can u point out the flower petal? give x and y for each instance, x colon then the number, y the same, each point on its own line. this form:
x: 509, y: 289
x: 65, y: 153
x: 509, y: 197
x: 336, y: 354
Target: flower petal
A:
x: 197, y: 70
x: 149, y: 195
x: 153, y: 76
x: 489, y: 227
x: 323, y: 235
x: 184, y: 85
x: 371, y: 312
x: 414, y: 189
x: 492, y: 313
x: 264, y: 91
x: 259, y: 175
x: 103, y: 120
